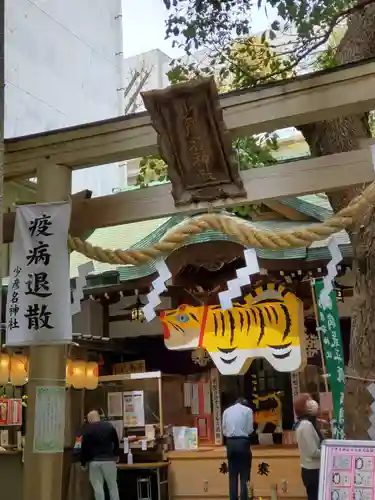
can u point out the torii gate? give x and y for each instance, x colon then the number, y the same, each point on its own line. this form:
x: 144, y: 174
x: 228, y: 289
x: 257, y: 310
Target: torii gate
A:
x: 53, y: 155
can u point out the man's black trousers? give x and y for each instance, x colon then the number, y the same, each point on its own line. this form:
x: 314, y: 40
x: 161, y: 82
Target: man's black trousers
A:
x: 239, y: 465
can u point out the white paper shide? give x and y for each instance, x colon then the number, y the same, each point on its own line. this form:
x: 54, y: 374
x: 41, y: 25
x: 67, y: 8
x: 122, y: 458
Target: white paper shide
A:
x: 39, y: 302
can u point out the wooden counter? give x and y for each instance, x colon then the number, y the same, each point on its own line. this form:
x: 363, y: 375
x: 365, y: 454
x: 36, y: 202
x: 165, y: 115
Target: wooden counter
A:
x: 196, y: 474
x: 11, y: 470
x: 143, y: 465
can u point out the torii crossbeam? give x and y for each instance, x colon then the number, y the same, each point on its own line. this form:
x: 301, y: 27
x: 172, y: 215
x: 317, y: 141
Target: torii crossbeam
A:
x: 322, y: 95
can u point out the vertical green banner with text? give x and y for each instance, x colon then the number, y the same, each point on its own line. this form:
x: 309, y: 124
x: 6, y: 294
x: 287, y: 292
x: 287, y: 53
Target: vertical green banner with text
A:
x: 330, y: 334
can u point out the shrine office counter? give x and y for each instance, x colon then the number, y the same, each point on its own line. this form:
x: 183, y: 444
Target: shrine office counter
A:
x: 136, y: 481
x: 193, y: 475
x: 202, y: 473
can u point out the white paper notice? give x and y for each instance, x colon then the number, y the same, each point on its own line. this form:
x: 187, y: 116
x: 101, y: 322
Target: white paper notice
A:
x: 119, y: 426
x: 150, y: 432
x: 126, y: 446
x: 187, y: 394
x: 114, y: 403
x: 194, y: 399
x: 4, y: 438
x: 185, y: 438
x: 49, y: 420
x: 134, y: 411
x: 144, y: 444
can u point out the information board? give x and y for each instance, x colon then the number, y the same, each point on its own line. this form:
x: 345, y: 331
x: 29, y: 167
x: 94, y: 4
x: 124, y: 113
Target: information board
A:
x: 347, y: 470
x: 134, y: 411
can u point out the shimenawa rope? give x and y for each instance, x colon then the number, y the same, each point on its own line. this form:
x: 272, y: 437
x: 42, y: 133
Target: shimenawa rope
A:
x: 234, y: 228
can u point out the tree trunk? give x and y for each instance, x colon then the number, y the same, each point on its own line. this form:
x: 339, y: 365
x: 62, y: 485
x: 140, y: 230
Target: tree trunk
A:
x: 338, y: 136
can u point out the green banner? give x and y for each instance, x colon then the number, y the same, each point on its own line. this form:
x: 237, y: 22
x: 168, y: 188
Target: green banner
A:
x: 330, y: 335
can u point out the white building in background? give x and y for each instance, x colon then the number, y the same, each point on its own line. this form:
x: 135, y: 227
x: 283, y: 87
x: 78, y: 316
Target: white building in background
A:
x: 146, y: 71
x: 63, y: 67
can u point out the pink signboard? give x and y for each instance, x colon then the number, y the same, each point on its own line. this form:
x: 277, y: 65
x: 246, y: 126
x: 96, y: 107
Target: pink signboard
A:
x: 349, y: 471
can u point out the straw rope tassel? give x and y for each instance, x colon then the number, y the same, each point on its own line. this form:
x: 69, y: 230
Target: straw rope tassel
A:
x: 237, y: 230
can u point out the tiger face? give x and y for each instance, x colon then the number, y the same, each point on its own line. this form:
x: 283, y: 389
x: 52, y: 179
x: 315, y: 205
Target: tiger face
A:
x: 182, y: 327
x: 269, y: 325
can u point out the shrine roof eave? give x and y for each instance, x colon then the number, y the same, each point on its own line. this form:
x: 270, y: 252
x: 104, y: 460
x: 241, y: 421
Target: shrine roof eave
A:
x: 132, y: 277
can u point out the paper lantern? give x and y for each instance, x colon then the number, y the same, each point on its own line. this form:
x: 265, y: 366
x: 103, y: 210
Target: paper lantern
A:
x: 18, y: 370
x: 78, y: 374
x: 69, y: 373
x: 92, y: 375
x: 4, y: 368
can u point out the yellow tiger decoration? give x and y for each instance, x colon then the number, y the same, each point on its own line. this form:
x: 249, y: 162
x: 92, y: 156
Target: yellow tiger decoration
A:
x: 269, y: 325
x: 271, y: 415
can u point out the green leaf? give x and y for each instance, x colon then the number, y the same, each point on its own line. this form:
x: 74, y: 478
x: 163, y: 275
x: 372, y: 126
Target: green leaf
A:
x: 281, y: 10
x: 189, y: 32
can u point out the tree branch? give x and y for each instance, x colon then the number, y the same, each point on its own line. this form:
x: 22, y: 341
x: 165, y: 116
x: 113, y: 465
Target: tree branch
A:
x: 322, y: 40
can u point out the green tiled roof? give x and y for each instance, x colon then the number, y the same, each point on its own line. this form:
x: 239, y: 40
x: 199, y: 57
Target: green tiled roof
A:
x: 317, y: 251
x: 124, y: 236
x: 312, y: 205
x: 144, y: 234
x: 134, y: 272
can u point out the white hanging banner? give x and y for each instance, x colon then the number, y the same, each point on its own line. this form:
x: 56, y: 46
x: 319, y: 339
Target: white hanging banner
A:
x: 216, y: 405
x: 38, y: 302
x: 294, y: 382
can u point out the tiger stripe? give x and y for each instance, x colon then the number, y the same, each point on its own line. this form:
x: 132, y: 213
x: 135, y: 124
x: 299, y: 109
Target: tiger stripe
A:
x: 275, y: 313
x: 248, y: 322
x: 222, y: 323
x: 268, y: 313
x: 216, y: 325
x: 260, y: 315
x: 232, y: 325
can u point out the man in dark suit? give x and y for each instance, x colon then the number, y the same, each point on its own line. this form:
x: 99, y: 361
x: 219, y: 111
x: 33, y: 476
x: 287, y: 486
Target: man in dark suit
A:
x: 100, y: 451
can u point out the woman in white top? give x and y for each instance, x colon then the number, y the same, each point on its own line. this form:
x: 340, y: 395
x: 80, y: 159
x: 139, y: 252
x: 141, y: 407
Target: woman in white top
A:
x: 309, y: 438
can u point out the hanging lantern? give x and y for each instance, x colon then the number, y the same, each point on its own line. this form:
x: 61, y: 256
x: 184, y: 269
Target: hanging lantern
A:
x: 4, y: 368
x: 69, y: 373
x: 18, y: 370
x: 78, y: 374
x: 92, y: 375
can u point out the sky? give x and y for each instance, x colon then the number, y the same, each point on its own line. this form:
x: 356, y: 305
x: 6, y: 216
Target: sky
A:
x: 143, y: 27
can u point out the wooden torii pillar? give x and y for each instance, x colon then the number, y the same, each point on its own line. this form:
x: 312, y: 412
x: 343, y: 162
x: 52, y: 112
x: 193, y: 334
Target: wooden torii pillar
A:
x: 42, y: 478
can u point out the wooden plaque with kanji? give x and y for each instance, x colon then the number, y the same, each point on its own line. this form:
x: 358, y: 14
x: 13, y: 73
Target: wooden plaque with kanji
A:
x: 194, y: 142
